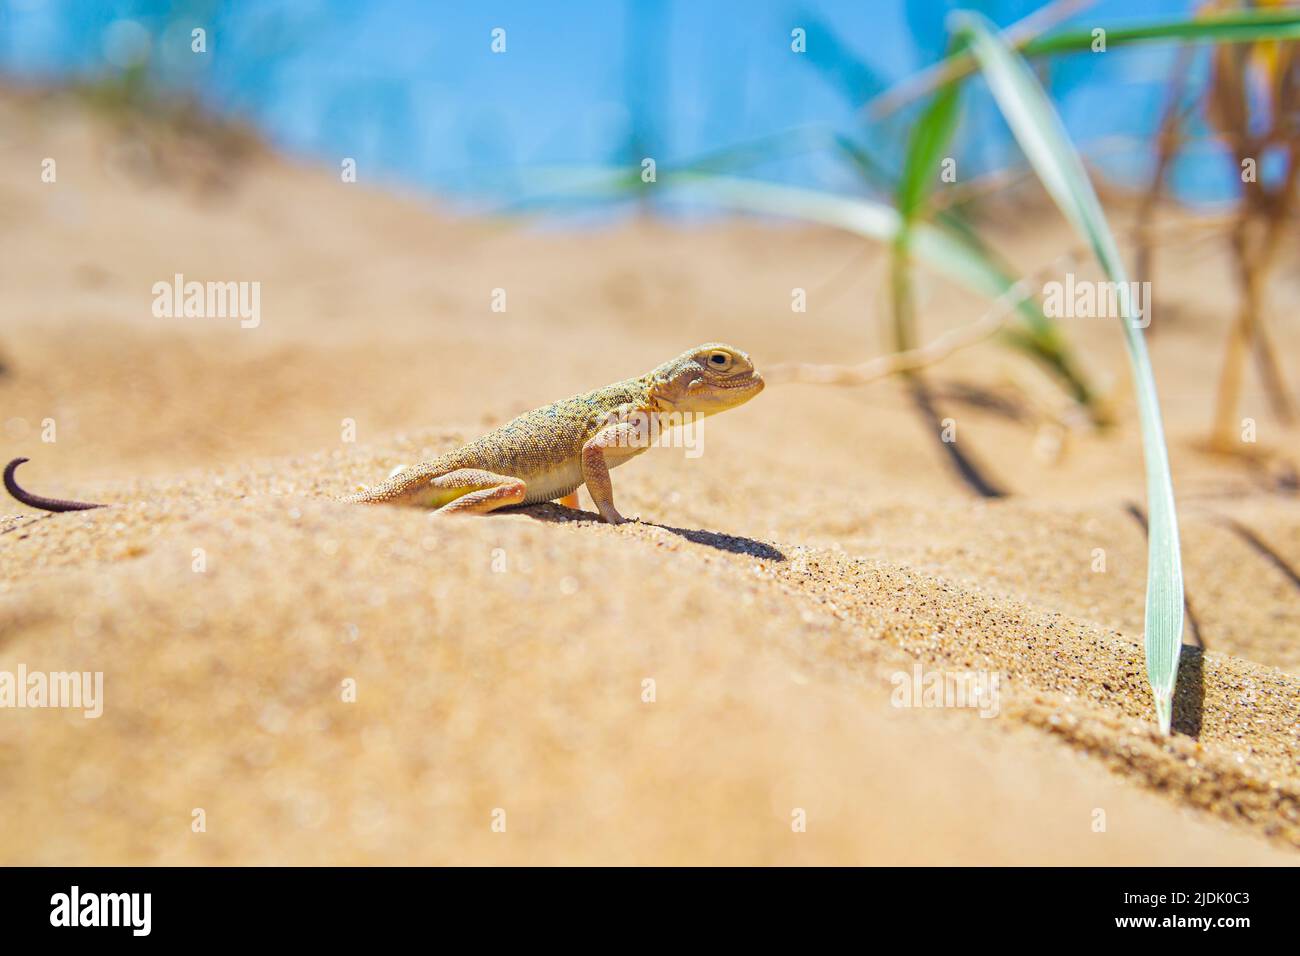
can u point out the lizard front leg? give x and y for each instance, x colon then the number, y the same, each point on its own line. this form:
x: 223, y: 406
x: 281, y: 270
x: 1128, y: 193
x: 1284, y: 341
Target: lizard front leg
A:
x: 609, y: 447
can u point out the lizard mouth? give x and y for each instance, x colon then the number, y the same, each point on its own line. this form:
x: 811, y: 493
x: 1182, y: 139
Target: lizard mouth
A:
x: 746, y: 381
x: 713, y: 396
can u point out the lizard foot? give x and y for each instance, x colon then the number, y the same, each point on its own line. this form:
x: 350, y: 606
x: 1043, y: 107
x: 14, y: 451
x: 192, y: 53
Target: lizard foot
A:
x: 617, y: 519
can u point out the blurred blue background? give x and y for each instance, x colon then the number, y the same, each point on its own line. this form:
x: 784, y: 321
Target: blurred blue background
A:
x: 413, y: 91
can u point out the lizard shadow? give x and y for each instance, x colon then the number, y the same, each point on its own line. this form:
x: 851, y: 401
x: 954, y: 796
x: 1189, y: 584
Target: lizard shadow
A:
x: 731, y: 543
x: 735, y: 544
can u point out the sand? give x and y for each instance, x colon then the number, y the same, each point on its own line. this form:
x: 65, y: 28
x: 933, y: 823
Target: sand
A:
x: 775, y: 591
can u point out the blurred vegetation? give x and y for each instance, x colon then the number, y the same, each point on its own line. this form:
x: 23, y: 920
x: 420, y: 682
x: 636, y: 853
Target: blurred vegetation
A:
x: 1241, y: 39
x: 899, y: 163
x: 1255, y: 128
x: 1042, y: 136
x: 145, y: 90
x: 1250, y: 47
x: 906, y: 131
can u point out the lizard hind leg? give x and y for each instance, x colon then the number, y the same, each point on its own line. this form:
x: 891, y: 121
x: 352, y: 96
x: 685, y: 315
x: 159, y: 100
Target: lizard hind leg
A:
x: 477, y: 492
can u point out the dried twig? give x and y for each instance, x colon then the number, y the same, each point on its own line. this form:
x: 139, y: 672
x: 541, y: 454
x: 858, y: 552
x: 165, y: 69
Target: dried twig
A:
x: 933, y: 77
x: 915, y: 359
x: 1168, y: 141
x: 1262, y: 216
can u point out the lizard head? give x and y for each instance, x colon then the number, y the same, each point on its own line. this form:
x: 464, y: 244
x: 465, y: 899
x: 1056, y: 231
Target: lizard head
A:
x: 706, y: 380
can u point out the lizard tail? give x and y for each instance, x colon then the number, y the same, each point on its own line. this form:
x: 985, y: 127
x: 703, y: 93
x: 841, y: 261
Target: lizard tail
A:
x: 38, y: 501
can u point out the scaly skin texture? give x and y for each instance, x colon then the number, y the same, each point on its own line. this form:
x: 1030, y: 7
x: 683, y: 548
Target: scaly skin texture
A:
x: 546, y: 454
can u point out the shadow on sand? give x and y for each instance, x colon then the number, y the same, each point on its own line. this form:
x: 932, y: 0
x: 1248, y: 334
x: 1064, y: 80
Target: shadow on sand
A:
x: 733, y: 544
x: 1189, y: 695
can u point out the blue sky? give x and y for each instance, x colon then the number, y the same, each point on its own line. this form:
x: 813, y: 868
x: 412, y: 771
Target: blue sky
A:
x: 413, y: 91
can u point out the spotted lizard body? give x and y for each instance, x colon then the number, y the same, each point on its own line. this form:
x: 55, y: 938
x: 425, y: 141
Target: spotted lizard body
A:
x: 546, y: 454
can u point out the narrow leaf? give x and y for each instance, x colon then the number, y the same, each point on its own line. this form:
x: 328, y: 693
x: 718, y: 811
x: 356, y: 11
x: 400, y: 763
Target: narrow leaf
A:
x: 947, y: 251
x: 1237, y: 26
x: 926, y: 144
x: 1042, y: 136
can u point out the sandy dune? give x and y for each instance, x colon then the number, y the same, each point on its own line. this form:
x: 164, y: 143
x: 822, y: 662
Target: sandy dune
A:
x: 775, y: 588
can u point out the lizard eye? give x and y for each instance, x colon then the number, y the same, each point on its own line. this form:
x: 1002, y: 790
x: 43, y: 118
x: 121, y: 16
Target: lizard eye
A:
x: 719, y: 360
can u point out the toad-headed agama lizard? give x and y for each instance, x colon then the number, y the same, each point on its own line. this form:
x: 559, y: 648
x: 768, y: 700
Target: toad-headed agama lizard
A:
x: 546, y: 454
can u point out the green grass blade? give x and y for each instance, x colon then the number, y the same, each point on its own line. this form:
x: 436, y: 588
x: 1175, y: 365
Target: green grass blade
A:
x: 926, y: 143
x: 1042, y: 136
x: 925, y: 147
x: 876, y: 175
x: 1236, y: 26
x: 946, y: 251
x: 1242, y: 26
x: 872, y: 170
x: 942, y: 251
